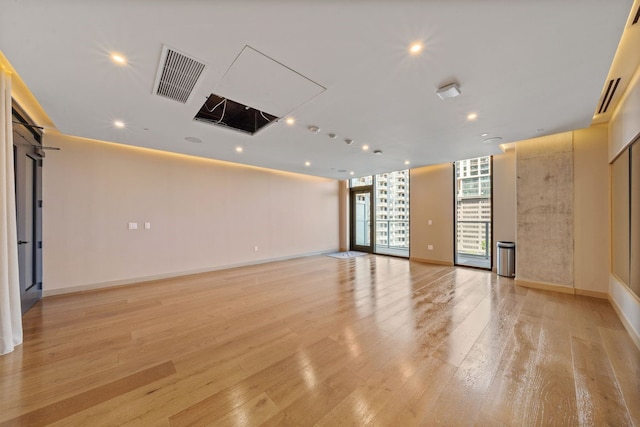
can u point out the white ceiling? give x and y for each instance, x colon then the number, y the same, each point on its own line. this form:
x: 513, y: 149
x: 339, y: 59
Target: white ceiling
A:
x: 526, y: 67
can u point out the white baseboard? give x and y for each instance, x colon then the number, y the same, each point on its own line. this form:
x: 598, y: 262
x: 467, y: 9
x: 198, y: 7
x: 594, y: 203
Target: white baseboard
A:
x: 545, y: 286
x: 431, y: 261
x: 635, y: 337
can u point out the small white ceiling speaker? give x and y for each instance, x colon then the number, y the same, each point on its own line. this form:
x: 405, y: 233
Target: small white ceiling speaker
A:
x: 313, y: 128
x: 492, y: 140
x: 348, y: 141
x: 449, y: 91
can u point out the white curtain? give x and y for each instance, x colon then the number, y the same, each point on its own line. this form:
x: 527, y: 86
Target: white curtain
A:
x: 10, y: 311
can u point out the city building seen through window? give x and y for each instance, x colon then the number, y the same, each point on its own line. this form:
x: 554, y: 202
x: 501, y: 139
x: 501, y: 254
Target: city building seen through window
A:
x: 473, y: 212
x: 391, y: 211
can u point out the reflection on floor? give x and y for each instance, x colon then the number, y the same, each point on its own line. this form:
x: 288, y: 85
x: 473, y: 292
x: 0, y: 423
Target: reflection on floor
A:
x: 371, y: 340
x: 473, y: 260
x: 401, y: 252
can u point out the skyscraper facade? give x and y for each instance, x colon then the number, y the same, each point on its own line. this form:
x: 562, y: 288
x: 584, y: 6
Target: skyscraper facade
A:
x: 473, y: 206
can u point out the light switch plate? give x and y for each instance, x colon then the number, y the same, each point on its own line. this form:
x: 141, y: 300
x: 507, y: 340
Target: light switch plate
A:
x: 133, y: 226
x: 147, y: 226
x: 430, y: 247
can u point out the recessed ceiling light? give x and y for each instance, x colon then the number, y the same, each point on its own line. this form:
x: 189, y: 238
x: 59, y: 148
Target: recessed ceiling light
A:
x: 415, y: 48
x: 406, y: 162
x: 290, y: 121
x: 484, y: 134
x: 307, y: 163
x: 239, y: 150
x: 118, y: 59
x: 351, y: 173
x: 313, y: 128
x: 472, y: 116
x: 365, y: 147
x: 118, y: 123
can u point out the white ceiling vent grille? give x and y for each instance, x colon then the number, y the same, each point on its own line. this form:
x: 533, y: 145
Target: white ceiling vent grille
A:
x: 177, y: 75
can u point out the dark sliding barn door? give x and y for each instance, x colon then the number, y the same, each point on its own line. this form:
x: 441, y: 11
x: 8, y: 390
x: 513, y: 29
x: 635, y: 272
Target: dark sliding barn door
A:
x: 28, y: 176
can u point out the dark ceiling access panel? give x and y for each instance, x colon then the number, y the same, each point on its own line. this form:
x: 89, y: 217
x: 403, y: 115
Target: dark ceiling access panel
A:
x: 225, y: 112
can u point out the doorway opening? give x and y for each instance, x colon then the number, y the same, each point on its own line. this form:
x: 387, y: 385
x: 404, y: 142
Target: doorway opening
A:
x: 473, y: 216
x: 27, y: 158
x: 388, y: 208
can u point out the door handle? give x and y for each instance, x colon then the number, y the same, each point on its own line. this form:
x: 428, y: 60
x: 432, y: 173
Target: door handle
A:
x: 22, y: 242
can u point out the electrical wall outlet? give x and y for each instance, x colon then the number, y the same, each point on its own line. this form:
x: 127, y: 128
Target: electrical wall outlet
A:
x: 133, y: 226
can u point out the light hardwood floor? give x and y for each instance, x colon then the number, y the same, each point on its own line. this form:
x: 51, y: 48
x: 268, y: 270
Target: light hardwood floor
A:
x: 322, y: 341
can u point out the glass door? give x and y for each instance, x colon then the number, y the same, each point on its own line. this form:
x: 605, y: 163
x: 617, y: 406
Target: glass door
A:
x: 392, y: 213
x: 474, y: 239
x: 362, y: 219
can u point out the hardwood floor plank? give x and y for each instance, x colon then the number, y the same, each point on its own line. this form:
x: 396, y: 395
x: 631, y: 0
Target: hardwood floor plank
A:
x: 415, y: 399
x: 599, y: 399
x: 309, y: 408
x: 509, y: 391
x: 80, y: 402
x: 625, y: 361
x: 371, y: 340
x: 252, y: 413
x: 461, y: 400
x: 248, y: 388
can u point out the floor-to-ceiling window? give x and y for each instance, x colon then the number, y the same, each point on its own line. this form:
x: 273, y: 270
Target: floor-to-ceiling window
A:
x: 391, y: 211
x: 473, y: 212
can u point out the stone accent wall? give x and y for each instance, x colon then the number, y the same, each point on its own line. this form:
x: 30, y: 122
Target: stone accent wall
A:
x: 545, y: 244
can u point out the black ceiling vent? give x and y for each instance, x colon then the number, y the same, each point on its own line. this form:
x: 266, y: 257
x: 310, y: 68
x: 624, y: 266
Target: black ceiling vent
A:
x: 608, y: 95
x: 635, y: 18
x: 224, y: 112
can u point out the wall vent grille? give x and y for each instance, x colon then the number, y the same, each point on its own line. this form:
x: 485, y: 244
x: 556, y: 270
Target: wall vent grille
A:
x: 177, y: 75
x: 608, y: 95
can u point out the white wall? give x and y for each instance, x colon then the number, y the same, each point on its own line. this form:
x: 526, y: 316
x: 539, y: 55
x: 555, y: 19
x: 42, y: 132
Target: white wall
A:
x: 204, y: 214
x: 592, y: 233
x: 625, y: 121
x: 504, y: 199
x: 624, y: 128
x: 431, y: 198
